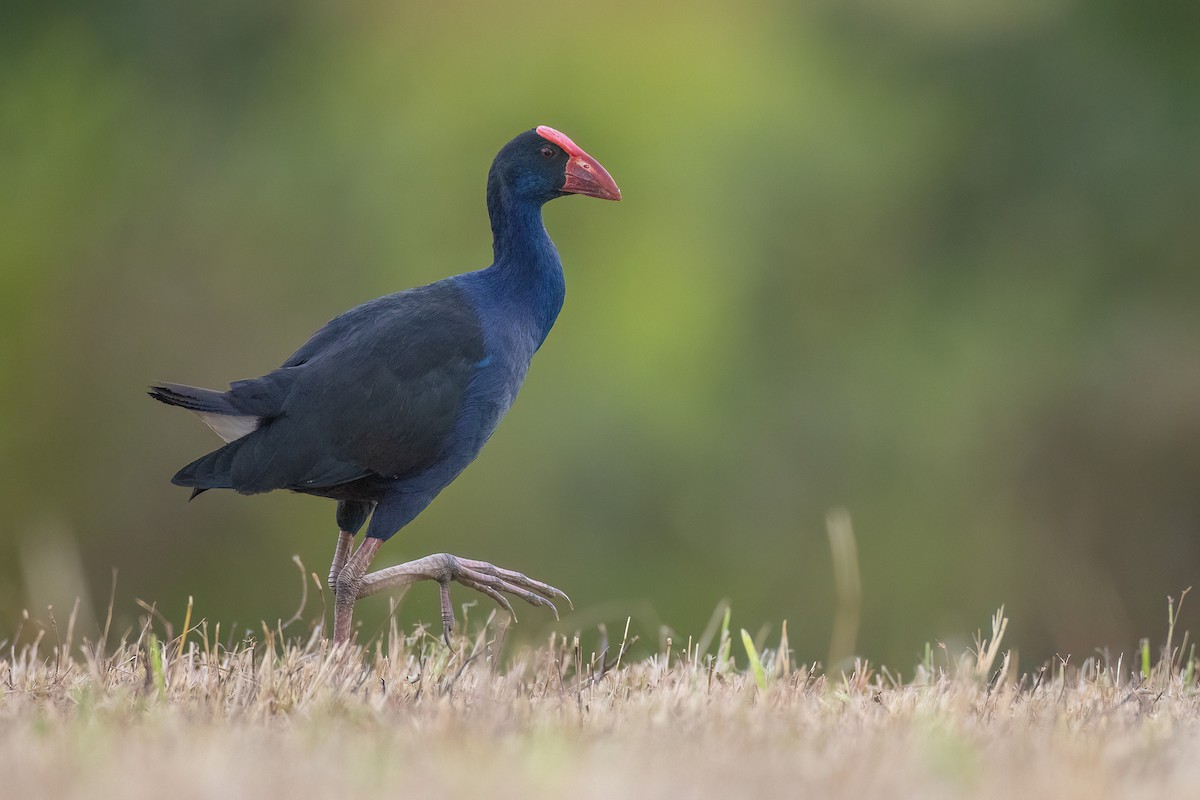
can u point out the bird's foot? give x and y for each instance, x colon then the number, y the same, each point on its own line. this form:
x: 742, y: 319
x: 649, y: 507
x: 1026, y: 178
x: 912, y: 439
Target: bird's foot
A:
x: 487, y: 578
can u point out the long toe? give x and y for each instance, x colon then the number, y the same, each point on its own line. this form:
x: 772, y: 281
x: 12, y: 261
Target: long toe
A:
x: 493, y: 586
x: 447, y: 611
x: 518, y: 579
x: 500, y: 599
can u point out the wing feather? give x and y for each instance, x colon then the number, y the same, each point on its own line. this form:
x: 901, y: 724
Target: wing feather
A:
x: 376, y: 391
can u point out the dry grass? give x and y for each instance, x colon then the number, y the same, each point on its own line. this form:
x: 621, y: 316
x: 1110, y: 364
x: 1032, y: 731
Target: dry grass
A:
x: 407, y: 715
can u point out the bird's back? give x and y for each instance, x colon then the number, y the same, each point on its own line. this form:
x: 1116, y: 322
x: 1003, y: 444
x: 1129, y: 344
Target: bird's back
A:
x: 374, y: 393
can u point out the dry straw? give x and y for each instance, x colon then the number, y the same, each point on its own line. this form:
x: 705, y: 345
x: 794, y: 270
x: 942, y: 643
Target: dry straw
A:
x: 188, y: 716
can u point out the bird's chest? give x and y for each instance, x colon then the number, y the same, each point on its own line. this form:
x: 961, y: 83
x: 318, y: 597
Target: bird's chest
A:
x: 514, y: 327
x: 495, y: 387
x: 492, y: 389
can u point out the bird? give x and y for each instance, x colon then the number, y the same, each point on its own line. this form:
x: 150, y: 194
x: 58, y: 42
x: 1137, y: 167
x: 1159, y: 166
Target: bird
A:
x: 389, y: 402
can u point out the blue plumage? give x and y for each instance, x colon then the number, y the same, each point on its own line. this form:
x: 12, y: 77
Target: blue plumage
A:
x: 386, y: 404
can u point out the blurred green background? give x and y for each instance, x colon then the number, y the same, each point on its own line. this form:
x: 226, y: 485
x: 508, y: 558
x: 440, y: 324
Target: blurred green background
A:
x: 934, y: 262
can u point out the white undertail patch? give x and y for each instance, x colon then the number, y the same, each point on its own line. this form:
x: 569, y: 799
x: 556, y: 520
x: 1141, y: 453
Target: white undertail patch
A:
x: 229, y: 427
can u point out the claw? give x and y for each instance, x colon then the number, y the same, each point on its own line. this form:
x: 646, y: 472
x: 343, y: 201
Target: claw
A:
x: 563, y: 595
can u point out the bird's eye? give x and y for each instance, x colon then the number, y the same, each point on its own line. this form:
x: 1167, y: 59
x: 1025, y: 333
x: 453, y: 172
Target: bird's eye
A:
x: 547, y: 152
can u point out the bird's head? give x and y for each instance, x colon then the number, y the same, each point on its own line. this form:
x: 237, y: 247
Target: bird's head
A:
x: 542, y: 164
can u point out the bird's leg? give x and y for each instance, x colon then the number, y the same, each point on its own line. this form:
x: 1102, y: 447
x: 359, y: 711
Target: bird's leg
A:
x: 348, y: 585
x: 340, y: 554
x: 478, y: 575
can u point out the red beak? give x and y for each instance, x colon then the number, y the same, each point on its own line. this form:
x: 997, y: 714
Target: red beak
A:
x: 584, y: 175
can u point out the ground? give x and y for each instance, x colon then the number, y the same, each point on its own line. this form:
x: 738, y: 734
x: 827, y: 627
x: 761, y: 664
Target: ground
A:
x: 406, y: 715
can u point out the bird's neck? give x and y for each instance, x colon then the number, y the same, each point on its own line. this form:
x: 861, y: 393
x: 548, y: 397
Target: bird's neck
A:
x: 527, y: 269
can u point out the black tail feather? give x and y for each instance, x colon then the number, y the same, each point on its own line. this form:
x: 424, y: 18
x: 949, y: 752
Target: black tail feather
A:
x: 193, y: 398
x: 210, y: 471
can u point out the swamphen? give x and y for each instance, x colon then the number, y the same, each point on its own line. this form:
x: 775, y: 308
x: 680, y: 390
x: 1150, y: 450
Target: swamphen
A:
x: 384, y: 406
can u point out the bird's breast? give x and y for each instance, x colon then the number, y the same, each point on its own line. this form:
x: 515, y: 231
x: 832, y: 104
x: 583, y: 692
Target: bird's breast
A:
x: 512, y: 332
x: 491, y: 392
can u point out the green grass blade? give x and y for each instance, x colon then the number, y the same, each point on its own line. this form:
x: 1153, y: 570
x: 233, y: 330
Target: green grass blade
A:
x: 760, y: 675
x: 725, y: 643
x: 156, y: 667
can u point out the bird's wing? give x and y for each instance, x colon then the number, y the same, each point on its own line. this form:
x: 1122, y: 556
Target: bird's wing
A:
x: 376, y: 391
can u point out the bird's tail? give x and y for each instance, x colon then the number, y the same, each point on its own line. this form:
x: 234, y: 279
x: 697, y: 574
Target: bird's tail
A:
x: 211, y: 471
x: 218, y: 410
x: 193, y: 398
